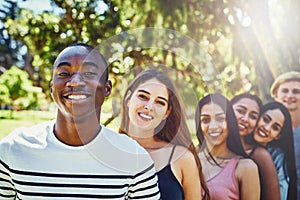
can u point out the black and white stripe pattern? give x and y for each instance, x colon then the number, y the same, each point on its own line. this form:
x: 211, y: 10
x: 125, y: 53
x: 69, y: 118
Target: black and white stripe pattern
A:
x: 44, y: 170
x: 79, y: 186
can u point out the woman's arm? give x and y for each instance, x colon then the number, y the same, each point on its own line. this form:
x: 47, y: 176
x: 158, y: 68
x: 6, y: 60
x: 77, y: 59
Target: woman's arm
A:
x: 247, y: 176
x: 186, y: 171
x: 268, y: 173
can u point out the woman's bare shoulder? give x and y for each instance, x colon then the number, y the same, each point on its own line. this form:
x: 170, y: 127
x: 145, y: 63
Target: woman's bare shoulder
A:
x: 246, y: 163
x: 246, y: 166
x: 261, y: 155
x: 183, y: 154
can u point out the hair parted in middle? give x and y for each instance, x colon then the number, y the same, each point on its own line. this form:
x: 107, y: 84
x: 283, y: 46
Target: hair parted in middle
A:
x: 174, y: 128
x: 233, y: 140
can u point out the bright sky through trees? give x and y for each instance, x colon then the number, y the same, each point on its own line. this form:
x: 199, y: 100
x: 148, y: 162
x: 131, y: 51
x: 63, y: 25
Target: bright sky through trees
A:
x: 42, y: 5
x: 35, y: 5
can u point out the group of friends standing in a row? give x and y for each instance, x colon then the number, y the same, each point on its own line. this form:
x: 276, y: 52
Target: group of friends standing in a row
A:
x: 246, y: 149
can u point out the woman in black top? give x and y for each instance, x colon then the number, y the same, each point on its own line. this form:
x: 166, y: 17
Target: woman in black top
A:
x: 153, y: 116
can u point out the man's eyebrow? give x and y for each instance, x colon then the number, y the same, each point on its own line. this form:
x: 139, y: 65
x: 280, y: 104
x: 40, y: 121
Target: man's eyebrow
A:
x: 90, y: 64
x: 63, y: 64
x: 83, y: 64
x: 144, y: 91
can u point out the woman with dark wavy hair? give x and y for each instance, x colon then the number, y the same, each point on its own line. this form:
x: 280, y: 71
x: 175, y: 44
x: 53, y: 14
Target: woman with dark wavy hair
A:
x: 247, y: 108
x: 274, y: 132
x: 228, y: 171
x: 154, y: 117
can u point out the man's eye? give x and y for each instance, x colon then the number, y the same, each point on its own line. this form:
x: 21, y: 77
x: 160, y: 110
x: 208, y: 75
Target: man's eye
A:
x: 285, y: 90
x: 63, y: 74
x: 90, y: 74
x: 295, y: 91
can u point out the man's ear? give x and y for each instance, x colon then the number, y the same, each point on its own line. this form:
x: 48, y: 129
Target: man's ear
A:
x: 51, y: 85
x: 51, y: 89
x: 275, y: 95
x: 108, y: 88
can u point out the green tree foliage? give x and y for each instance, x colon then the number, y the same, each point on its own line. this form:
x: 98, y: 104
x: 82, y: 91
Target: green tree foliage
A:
x: 4, y: 95
x: 46, y: 33
x: 250, y: 42
x: 22, y: 94
x: 8, y: 46
x: 225, y: 46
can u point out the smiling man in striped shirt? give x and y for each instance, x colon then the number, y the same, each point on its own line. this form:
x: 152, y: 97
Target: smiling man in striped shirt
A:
x: 74, y: 157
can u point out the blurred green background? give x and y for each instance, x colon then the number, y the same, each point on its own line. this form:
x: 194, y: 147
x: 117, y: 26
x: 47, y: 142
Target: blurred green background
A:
x: 208, y: 45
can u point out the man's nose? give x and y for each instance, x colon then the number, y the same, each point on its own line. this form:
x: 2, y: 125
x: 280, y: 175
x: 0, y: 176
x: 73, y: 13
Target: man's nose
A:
x: 290, y: 93
x: 76, y: 80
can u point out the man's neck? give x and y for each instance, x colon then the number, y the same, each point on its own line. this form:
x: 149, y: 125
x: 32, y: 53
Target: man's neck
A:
x: 295, y: 116
x: 76, y: 132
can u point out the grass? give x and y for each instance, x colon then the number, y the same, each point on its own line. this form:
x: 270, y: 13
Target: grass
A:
x: 22, y: 118
x: 29, y: 118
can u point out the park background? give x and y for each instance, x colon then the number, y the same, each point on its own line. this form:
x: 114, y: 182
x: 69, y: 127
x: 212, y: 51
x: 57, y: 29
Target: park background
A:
x: 226, y: 46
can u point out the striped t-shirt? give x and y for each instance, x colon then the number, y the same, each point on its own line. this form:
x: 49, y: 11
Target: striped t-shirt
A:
x: 34, y: 164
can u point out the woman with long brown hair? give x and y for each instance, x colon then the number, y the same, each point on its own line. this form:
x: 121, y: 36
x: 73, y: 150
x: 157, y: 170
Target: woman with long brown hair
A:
x: 154, y: 117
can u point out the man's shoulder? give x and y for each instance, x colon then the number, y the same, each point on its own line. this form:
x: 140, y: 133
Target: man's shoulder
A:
x: 28, y: 134
x: 297, y: 129
x: 121, y: 140
x: 120, y: 152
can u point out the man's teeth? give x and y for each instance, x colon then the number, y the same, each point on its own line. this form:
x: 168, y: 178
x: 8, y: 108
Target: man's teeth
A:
x: 145, y: 116
x: 77, y: 97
